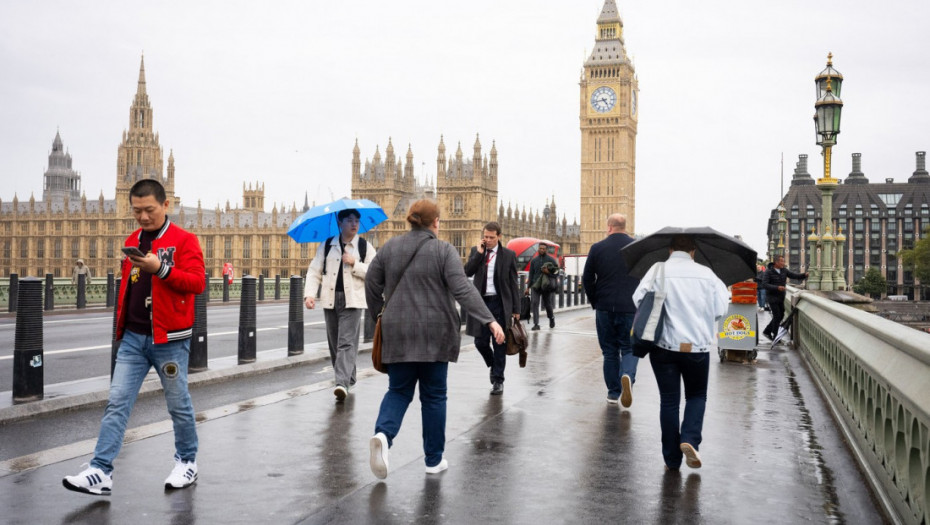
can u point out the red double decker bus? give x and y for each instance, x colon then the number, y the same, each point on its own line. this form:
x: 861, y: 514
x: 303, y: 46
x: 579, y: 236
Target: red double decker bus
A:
x: 526, y: 249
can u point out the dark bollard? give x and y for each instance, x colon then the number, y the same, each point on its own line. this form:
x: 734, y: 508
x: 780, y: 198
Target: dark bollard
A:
x: 14, y: 291
x: 206, y: 286
x: 561, y: 292
x: 198, y: 355
x: 225, y: 288
x: 49, y: 292
x: 568, y: 293
x: 576, y: 284
x: 247, y: 320
x: 28, y: 370
x: 111, y: 294
x: 114, y: 342
x: 277, y: 287
x: 261, y: 287
x: 295, y: 315
x: 82, y: 291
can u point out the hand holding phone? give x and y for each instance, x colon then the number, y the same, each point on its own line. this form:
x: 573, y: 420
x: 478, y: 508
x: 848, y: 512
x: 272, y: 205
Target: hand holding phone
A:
x: 132, y: 250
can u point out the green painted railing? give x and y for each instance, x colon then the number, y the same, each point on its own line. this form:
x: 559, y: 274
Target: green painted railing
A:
x: 877, y: 375
x: 96, y: 291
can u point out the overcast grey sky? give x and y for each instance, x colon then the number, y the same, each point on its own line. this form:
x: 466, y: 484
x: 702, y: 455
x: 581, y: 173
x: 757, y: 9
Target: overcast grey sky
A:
x: 279, y: 92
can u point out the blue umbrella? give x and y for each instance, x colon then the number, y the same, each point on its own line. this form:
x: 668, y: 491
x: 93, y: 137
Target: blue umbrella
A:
x: 319, y: 222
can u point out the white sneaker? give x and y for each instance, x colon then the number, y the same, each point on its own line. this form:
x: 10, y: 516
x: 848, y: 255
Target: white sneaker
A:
x: 692, y: 458
x: 612, y: 401
x: 626, y: 397
x: 379, y: 455
x: 91, y: 480
x: 442, y: 465
x: 340, y: 392
x: 183, y: 475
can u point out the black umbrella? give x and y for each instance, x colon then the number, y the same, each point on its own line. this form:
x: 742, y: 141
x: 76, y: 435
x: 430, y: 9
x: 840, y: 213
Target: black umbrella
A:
x: 731, y: 259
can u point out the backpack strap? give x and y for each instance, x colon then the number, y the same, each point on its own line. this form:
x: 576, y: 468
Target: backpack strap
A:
x: 362, y: 248
x: 326, y: 248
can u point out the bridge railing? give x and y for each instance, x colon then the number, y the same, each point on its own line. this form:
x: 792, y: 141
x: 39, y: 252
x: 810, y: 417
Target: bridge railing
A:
x: 877, y: 375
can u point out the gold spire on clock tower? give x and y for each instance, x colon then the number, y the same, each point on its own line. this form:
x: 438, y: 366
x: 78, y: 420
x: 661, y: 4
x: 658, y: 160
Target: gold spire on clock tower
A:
x: 608, y: 117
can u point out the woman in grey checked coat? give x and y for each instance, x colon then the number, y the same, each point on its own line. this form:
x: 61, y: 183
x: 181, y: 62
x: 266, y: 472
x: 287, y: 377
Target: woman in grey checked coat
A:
x: 423, y: 277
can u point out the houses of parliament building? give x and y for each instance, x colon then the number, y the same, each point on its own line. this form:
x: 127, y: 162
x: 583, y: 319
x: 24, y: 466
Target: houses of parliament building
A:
x: 48, y: 235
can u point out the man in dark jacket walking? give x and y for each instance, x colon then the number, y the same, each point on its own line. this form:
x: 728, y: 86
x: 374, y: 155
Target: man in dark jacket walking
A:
x: 494, y: 269
x: 774, y: 282
x: 610, y: 288
x: 537, y: 269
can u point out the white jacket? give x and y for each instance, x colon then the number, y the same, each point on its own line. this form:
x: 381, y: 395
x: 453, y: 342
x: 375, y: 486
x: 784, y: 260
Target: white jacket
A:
x: 353, y: 277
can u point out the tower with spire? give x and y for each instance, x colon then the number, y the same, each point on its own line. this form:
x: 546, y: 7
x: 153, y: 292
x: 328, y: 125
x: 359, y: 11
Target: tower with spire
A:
x: 61, y: 182
x: 139, y: 155
x: 608, y: 120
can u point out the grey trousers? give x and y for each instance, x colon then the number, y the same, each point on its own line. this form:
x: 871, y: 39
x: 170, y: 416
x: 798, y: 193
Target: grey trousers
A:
x: 342, y: 335
x: 546, y: 301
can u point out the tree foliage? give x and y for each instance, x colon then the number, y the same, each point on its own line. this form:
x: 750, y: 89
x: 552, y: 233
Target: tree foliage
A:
x: 872, y: 283
x: 917, y: 259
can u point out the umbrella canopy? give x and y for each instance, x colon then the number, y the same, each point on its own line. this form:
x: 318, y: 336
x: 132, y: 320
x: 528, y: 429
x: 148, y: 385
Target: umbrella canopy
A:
x: 319, y: 222
x: 731, y: 259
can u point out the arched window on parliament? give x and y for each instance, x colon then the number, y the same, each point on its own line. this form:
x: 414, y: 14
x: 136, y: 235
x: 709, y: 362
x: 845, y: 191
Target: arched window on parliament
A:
x: 458, y: 205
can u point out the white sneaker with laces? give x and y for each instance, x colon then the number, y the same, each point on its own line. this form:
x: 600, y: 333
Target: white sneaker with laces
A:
x: 91, y: 480
x: 183, y: 475
x: 439, y: 467
x: 379, y: 455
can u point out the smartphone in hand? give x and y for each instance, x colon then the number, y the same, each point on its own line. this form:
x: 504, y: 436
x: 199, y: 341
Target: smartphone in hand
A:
x: 132, y: 250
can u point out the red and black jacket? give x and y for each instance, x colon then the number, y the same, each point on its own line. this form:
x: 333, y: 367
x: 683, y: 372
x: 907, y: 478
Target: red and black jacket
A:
x: 174, y: 285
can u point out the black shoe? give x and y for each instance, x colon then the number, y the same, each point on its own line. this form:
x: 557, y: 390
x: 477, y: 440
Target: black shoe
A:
x: 552, y: 322
x: 535, y: 327
x: 497, y: 389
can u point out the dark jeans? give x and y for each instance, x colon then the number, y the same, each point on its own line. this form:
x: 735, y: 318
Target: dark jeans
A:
x: 613, y: 334
x: 777, y: 304
x: 671, y: 369
x: 402, y: 379
x: 495, y: 358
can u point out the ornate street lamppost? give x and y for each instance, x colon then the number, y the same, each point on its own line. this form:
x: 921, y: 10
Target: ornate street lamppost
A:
x: 829, y: 107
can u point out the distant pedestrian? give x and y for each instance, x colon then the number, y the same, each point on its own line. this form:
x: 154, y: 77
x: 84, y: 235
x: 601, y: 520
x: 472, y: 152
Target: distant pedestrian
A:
x: 610, y: 288
x: 695, y: 299
x: 424, y: 278
x: 774, y: 281
x: 542, y: 265
x: 155, y: 315
x: 340, y: 264
x: 80, y: 269
x: 494, y: 269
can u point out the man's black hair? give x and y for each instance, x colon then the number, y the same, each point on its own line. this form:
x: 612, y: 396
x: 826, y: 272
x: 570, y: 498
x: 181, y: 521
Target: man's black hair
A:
x: 146, y: 187
x: 682, y: 243
x: 493, y: 227
x: 345, y: 213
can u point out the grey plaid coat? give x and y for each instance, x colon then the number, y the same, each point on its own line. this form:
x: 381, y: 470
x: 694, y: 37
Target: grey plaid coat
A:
x: 421, y: 322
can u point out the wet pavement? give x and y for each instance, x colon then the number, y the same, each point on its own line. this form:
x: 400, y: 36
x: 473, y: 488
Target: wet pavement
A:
x: 550, y: 450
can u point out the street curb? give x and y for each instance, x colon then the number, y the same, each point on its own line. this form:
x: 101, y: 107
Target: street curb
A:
x: 152, y: 386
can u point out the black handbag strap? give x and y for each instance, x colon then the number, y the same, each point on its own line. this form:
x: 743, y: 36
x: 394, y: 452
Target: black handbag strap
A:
x: 402, y: 273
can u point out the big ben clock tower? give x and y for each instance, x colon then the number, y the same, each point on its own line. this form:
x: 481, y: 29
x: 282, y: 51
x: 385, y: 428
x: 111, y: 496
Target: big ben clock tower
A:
x: 608, y: 115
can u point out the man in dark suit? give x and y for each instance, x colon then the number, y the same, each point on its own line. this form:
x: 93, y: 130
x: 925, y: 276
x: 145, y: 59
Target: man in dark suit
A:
x: 494, y: 269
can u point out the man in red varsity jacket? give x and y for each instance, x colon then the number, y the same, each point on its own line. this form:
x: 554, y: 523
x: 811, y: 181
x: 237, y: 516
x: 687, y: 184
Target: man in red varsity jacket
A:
x: 155, y: 314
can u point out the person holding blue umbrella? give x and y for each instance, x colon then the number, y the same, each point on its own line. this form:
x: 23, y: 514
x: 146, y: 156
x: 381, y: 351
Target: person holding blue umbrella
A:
x: 338, y: 270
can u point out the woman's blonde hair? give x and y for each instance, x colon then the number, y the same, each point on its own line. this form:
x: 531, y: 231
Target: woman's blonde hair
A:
x: 422, y: 213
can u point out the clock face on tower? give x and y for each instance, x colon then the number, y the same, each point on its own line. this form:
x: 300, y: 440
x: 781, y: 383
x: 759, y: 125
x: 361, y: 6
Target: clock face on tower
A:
x: 603, y: 99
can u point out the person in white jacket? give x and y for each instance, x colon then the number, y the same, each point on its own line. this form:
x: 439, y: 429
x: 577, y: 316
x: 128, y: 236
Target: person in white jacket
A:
x: 340, y: 265
x: 695, y: 298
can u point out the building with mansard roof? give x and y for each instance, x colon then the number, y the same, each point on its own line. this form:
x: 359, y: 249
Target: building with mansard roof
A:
x: 878, y: 219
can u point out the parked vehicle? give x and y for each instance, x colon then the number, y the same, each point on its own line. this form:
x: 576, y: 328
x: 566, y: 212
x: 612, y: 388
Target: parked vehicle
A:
x: 526, y: 247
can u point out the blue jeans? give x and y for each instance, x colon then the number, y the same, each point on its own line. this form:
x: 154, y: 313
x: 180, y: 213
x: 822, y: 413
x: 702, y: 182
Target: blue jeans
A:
x: 137, y: 354
x: 671, y: 369
x: 761, y: 296
x: 613, y: 334
x: 495, y: 355
x: 402, y: 379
